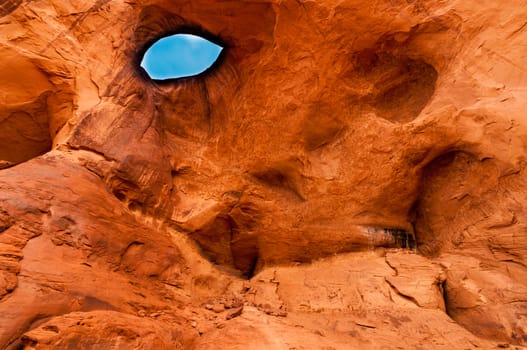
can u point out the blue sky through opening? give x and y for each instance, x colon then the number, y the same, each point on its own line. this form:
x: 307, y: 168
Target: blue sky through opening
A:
x: 179, y: 55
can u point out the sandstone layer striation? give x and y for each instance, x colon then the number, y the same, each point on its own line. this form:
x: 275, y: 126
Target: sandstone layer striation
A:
x: 350, y: 175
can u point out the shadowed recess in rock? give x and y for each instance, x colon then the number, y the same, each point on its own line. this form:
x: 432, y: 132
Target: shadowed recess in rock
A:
x: 8, y: 6
x: 180, y: 56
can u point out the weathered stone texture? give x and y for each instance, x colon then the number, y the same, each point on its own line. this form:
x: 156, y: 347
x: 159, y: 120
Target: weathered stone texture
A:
x: 350, y: 176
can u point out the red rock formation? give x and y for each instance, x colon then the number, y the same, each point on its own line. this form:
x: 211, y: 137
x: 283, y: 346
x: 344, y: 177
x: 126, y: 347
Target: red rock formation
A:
x: 275, y: 201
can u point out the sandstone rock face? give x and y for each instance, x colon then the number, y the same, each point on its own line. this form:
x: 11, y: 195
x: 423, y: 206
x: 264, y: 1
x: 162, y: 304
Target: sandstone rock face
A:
x: 351, y: 175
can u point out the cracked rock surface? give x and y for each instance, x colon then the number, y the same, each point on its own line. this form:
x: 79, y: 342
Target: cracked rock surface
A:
x: 350, y: 175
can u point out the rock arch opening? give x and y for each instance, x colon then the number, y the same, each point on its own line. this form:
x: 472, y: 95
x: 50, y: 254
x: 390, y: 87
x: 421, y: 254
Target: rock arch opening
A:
x: 180, y: 56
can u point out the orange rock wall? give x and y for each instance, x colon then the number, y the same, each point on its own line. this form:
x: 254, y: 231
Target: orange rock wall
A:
x: 271, y: 202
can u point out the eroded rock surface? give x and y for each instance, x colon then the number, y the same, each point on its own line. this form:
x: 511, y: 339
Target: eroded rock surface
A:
x: 351, y: 175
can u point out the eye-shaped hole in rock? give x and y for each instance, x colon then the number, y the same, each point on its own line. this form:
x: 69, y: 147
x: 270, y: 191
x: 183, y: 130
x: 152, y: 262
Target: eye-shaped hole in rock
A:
x: 180, y: 56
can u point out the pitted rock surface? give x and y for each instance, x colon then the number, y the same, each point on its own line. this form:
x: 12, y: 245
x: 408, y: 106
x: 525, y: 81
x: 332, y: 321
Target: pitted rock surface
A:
x: 351, y: 175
